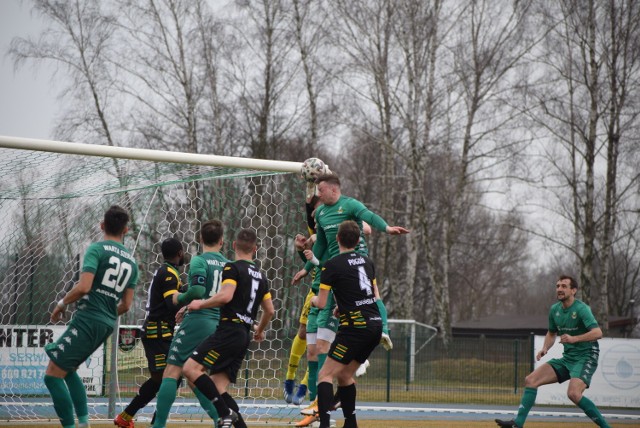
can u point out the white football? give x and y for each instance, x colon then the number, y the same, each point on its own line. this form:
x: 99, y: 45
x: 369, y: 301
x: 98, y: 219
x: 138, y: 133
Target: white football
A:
x: 312, y: 168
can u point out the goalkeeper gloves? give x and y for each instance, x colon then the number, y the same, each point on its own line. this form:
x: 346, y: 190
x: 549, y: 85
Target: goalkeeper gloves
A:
x: 311, y: 190
x: 363, y: 368
x: 386, y: 342
x: 194, y: 292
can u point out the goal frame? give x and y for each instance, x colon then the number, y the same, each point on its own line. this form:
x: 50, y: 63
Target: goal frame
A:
x: 151, y: 155
x: 148, y: 154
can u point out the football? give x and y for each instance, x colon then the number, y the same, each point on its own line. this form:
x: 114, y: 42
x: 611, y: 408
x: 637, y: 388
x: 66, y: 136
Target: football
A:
x: 312, y: 168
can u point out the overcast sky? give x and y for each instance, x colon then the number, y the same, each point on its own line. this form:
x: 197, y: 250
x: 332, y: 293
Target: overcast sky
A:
x: 27, y: 96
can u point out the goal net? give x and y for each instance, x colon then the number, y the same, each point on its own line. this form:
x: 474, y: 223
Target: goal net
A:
x: 51, y: 205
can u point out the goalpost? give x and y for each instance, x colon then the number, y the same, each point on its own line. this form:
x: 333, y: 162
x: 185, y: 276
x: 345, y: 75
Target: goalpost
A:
x: 52, y: 197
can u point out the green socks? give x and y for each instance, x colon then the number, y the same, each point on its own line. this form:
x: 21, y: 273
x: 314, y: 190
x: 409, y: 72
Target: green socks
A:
x: 78, y: 396
x: 313, y: 379
x: 165, y: 398
x: 207, y: 405
x: 321, y: 359
x: 167, y: 395
x: 529, y: 399
x: 314, y: 369
x: 61, y: 400
x: 592, y: 411
x: 527, y: 402
x: 383, y: 315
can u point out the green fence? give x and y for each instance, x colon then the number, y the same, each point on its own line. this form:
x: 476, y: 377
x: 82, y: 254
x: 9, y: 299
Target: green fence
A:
x: 469, y: 370
x: 419, y: 369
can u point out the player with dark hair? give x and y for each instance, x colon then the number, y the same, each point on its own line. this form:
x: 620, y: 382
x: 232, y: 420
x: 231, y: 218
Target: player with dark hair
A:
x: 579, y: 334
x: 205, y: 270
x: 244, y: 290
x: 105, y: 291
x: 163, y: 302
x: 335, y: 209
x: 351, y: 277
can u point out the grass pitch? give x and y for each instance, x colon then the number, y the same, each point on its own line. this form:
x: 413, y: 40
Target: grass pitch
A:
x: 361, y: 424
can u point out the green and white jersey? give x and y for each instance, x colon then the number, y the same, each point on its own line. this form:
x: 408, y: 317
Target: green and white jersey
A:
x: 115, y: 270
x: 329, y: 217
x: 575, y: 320
x: 206, y: 270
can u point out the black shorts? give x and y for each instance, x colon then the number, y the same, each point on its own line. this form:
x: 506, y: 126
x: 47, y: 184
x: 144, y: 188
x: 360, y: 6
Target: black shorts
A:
x: 156, y: 351
x: 224, y: 350
x: 354, y: 343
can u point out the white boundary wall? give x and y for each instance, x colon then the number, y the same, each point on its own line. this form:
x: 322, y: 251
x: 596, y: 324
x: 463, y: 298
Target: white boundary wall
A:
x: 616, y: 382
x: 23, y: 361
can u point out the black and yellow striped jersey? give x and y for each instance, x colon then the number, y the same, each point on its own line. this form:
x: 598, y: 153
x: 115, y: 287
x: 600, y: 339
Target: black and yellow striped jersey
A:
x: 251, y: 289
x: 161, y: 312
x: 352, y: 277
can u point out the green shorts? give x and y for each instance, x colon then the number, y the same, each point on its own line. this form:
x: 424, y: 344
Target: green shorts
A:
x: 582, y: 368
x: 187, y: 337
x: 325, y: 316
x: 312, y: 320
x: 81, y: 338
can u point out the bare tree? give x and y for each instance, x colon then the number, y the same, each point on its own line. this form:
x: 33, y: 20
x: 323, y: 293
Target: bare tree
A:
x: 308, y: 22
x: 218, y: 122
x: 621, y: 59
x: 79, y: 42
x: 435, y: 81
x: 430, y: 97
x: 161, y: 57
x: 490, y: 47
x: 490, y: 264
x: 364, y: 39
x: 162, y: 60
x: 624, y: 291
x: 416, y: 31
x: 593, y: 52
x: 262, y: 75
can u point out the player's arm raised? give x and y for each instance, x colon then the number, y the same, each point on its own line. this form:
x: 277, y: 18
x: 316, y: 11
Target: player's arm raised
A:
x: 319, y: 248
x: 377, y: 222
x: 396, y: 230
x: 307, y: 256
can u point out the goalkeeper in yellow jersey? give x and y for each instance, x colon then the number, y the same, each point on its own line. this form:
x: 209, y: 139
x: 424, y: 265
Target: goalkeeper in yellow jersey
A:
x: 299, y: 345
